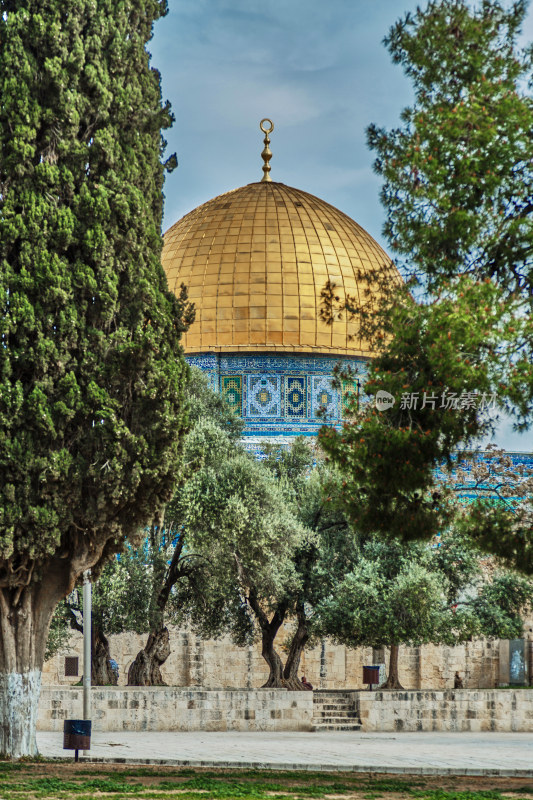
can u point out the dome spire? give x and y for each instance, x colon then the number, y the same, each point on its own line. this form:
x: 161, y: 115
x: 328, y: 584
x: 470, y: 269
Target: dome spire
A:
x: 267, y: 153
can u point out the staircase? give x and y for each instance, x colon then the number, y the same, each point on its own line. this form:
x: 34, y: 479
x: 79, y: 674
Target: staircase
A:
x: 335, y: 711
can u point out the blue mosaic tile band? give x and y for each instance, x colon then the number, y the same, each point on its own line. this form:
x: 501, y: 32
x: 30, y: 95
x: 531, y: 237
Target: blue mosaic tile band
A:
x: 350, y: 395
x: 279, y: 364
x: 231, y: 390
x: 295, y: 396
x: 279, y: 395
x: 263, y: 396
x: 324, y: 398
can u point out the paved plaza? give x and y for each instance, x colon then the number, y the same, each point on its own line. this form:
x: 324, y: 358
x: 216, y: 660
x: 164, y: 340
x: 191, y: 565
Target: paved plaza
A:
x: 509, y: 754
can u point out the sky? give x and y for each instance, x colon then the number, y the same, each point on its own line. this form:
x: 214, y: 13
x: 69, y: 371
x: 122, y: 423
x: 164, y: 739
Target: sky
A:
x: 317, y: 68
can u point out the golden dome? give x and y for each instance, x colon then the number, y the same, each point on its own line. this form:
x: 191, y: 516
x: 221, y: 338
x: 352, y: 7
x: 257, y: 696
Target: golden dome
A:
x: 255, y: 261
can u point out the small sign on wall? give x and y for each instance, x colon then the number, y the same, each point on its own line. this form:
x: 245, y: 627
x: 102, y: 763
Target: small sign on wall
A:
x: 514, y: 666
x: 518, y: 661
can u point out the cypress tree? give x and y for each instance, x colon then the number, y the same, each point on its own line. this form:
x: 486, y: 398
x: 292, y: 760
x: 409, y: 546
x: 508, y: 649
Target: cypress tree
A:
x: 91, y: 369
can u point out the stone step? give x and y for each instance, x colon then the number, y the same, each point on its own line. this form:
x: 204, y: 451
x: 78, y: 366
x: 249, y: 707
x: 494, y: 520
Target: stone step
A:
x: 335, y: 713
x: 352, y: 714
x: 347, y: 702
x: 329, y: 727
x: 333, y: 701
x: 334, y: 705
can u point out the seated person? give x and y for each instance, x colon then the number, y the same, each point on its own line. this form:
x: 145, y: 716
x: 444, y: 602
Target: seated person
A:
x: 306, y: 684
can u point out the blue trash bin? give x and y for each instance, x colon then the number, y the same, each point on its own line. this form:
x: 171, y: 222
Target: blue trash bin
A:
x: 77, y: 735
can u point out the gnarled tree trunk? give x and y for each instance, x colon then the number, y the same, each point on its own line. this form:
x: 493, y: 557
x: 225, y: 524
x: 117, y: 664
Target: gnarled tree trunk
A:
x: 269, y: 630
x: 25, y: 615
x: 275, y: 664
x: 299, y: 640
x: 101, y: 672
x: 393, y: 681
x: 146, y: 669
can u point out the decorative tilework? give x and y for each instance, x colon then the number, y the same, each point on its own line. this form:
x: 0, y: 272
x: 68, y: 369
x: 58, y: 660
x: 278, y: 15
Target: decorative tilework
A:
x: 299, y: 364
x: 284, y: 417
x: 350, y: 396
x: 204, y: 361
x: 295, y: 396
x: 264, y: 396
x: 231, y: 390
x: 278, y: 417
x: 263, y: 388
x: 323, y: 396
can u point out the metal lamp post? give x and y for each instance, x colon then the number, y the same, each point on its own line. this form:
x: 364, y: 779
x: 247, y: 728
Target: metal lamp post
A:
x: 87, y: 624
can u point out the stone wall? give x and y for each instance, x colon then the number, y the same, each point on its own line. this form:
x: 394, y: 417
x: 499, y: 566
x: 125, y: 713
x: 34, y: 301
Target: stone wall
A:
x: 459, y: 710
x: 169, y: 709
x: 215, y: 664
x: 165, y: 709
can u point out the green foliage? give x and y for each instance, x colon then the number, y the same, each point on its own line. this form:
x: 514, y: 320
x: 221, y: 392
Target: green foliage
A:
x: 434, y: 352
x: 388, y: 598
x: 204, y: 403
x: 91, y: 369
x: 333, y: 550
x: 59, y: 633
x: 127, y: 595
x: 291, y: 466
x: 442, y: 794
x: 121, y: 595
x: 328, y: 551
x: 388, y: 458
x: 457, y: 189
x: 273, y: 545
x: 237, y: 516
x: 457, y: 175
x: 413, y: 594
x: 499, y: 532
x: 312, y: 487
x: 458, y: 562
x: 500, y: 519
x: 500, y: 605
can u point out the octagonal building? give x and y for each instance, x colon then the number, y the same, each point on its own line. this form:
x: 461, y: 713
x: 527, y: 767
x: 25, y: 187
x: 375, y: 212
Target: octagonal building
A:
x: 255, y: 261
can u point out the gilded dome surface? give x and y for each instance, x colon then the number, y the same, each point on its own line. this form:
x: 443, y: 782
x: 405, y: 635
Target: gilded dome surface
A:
x: 255, y: 261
